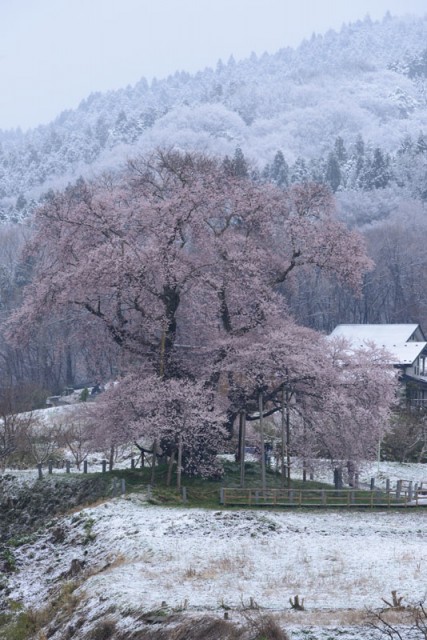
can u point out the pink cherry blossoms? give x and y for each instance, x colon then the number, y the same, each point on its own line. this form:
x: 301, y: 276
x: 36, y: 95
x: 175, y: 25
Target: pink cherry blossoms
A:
x: 176, y: 269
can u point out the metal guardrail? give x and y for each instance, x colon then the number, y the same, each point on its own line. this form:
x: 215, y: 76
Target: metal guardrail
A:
x: 320, y: 498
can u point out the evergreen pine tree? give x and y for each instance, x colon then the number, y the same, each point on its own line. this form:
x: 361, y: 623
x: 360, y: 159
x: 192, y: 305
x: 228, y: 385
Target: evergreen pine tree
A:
x: 333, y: 172
x: 279, y: 170
x: 340, y: 150
x: 299, y: 171
x: 421, y: 144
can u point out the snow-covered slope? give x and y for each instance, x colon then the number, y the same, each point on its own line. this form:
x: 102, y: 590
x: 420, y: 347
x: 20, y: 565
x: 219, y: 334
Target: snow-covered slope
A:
x: 130, y: 557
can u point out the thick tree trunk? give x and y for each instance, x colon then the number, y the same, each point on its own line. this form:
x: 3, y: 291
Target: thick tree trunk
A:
x: 69, y: 367
x: 171, y: 300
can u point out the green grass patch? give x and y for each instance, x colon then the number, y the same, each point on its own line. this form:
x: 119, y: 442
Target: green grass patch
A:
x: 205, y: 493
x: 200, y: 492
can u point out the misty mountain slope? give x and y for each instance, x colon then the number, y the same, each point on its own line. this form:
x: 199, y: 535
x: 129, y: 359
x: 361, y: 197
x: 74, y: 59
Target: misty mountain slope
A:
x: 357, y: 82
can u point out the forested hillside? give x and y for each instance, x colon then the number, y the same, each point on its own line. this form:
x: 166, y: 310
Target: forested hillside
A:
x: 346, y: 109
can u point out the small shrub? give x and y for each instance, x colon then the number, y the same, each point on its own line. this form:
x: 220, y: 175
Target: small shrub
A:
x: 19, y: 541
x: 266, y: 627
x: 104, y: 630
x: 84, y: 395
x: 90, y: 536
x: 7, y: 561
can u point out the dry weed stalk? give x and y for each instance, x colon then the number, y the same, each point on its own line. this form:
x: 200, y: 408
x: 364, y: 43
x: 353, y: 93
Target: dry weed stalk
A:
x: 396, y: 602
x: 396, y: 622
x: 296, y: 604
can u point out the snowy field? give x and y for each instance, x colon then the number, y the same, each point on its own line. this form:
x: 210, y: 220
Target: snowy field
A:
x: 139, y: 556
x: 136, y: 557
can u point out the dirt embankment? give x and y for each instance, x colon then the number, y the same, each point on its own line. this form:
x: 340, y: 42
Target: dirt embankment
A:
x: 26, y: 506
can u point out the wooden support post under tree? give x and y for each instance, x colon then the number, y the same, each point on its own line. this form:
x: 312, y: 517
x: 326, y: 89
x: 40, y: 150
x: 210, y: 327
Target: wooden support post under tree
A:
x: 153, y: 462
x: 111, y: 458
x: 242, y: 424
x: 283, y: 440
x: 170, y: 468
x: 179, y: 463
x: 288, y: 438
x: 261, y: 427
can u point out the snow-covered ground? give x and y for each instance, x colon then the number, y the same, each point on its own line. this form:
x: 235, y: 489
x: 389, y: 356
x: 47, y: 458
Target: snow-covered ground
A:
x: 137, y: 556
x: 380, y: 471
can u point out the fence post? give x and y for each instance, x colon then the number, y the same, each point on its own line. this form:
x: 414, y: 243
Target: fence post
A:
x: 104, y: 466
x: 222, y: 496
x: 85, y: 466
x: 372, y: 484
x: 356, y: 480
x: 39, y: 470
x: 114, y: 489
x: 149, y: 492
x: 132, y: 463
x: 67, y: 466
x: 323, y: 492
x: 184, y: 494
x: 398, y: 489
x: 123, y: 486
x: 49, y: 467
x: 387, y: 485
x: 410, y: 491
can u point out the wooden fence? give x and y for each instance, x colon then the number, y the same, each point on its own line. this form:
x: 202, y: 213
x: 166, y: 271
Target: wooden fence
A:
x: 321, y: 498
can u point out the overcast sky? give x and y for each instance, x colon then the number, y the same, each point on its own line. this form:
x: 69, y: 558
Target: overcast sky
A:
x: 54, y: 53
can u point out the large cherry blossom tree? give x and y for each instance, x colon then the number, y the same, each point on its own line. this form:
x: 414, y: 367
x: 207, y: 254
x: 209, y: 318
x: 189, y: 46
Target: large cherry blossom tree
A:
x: 181, y: 266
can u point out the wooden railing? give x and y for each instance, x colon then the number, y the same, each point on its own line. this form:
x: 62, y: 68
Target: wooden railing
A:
x: 319, y: 498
